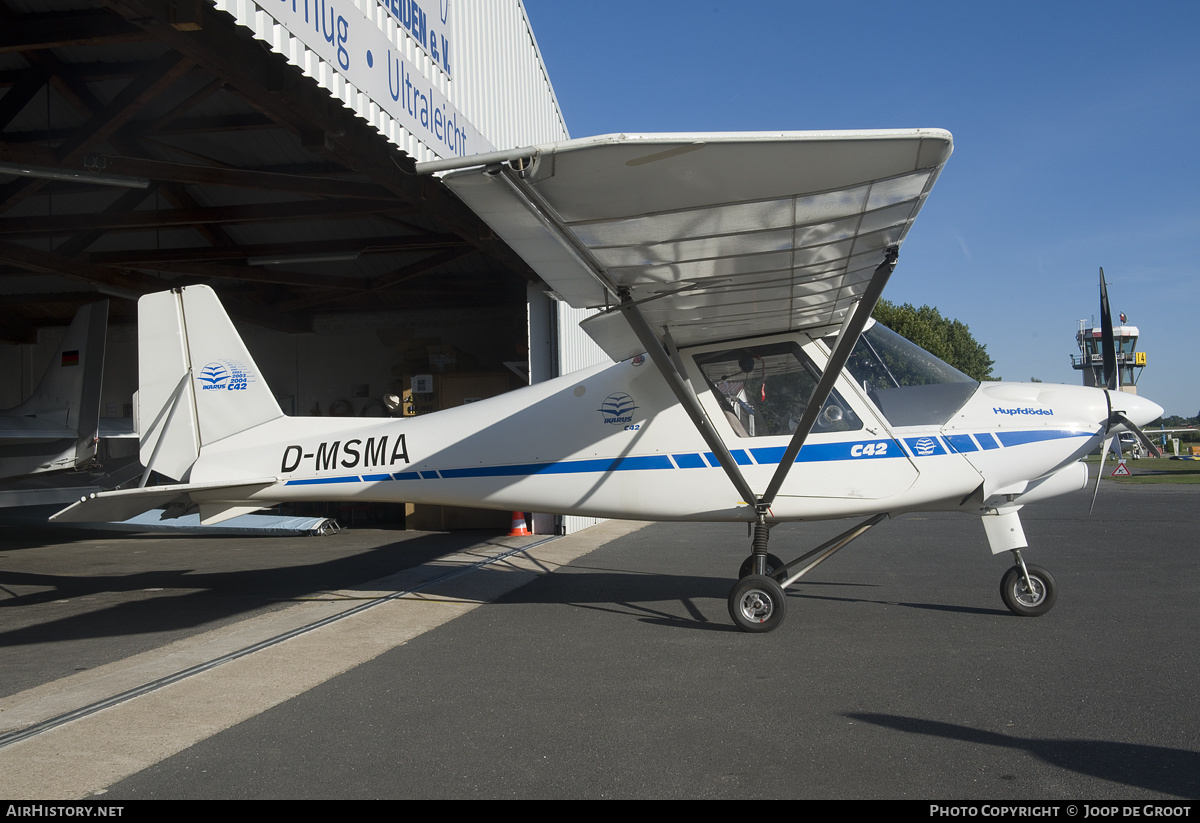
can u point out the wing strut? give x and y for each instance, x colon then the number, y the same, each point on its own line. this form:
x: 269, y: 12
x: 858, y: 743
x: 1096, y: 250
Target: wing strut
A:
x: 511, y: 171
x: 845, y: 343
x: 685, y: 396
x: 633, y: 315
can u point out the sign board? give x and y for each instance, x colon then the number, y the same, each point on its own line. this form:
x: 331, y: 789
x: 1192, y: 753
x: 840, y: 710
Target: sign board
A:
x: 401, y: 63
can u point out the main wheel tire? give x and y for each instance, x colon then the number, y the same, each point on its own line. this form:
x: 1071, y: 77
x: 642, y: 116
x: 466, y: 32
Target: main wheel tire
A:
x: 757, y: 604
x: 1017, y: 595
x: 773, y: 565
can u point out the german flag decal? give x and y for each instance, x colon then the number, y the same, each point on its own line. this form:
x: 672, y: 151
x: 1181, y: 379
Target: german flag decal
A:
x: 70, y: 358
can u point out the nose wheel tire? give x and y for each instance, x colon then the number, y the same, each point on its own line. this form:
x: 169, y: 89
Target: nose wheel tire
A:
x: 1023, y: 600
x: 774, y: 564
x: 757, y: 604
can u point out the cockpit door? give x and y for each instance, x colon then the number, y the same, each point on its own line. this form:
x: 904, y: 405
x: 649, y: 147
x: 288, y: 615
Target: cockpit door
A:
x: 755, y: 392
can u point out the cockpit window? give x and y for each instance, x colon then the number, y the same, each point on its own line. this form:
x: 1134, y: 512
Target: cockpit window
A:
x: 908, y: 384
x: 764, y: 390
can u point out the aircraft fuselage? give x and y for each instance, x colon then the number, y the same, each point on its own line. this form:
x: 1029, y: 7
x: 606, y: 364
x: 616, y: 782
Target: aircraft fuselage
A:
x: 612, y: 441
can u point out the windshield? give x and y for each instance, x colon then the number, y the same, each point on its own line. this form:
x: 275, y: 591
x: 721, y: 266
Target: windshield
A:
x: 908, y: 384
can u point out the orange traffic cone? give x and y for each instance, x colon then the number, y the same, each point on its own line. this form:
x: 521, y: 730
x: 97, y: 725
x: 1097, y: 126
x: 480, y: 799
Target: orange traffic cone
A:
x: 518, y: 525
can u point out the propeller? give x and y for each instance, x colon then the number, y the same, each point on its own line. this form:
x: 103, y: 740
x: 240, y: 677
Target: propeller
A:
x: 1116, y: 417
x: 1108, y: 348
x: 1108, y: 438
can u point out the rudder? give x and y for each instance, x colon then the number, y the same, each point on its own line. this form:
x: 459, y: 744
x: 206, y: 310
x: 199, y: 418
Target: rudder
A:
x: 198, y: 383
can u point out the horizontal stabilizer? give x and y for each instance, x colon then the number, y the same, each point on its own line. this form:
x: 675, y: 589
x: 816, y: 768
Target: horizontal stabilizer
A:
x: 35, y: 430
x: 123, y: 504
x: 213, y: 513
x: 116, y: 428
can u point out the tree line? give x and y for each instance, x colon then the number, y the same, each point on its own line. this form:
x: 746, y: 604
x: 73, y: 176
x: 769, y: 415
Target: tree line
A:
x: 949, y: 340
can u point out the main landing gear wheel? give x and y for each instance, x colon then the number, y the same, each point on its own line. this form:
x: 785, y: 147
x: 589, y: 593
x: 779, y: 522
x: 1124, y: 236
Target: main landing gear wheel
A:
x: 1021, y: 599
x: 757, y: 604
x: 774, y: 564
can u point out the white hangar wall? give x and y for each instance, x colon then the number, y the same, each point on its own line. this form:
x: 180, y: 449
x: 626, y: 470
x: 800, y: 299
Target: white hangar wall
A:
x: 439, y: 79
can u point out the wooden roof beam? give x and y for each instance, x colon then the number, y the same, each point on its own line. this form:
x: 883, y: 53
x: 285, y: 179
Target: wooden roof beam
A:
x: 408, y: 272
x: 76, y: 28
x: 266, y: 81
x: 175, y: 218
x: 245, y: 179
x: 106, y: 280
x: 32, y: 81
x: 275, y: 275
x: 145, y: 258
x: 129, y: 101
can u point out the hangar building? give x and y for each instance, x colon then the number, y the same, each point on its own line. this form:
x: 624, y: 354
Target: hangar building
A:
x: 266, y: 148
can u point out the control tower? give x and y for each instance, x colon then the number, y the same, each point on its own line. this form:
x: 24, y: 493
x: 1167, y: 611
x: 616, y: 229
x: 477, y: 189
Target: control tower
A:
x: 1090, y: 359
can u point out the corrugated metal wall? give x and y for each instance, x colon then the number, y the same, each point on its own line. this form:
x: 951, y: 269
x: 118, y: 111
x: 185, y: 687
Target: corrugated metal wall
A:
x: 576, y: 351
x: 496, y: 77
x: 502, y: 84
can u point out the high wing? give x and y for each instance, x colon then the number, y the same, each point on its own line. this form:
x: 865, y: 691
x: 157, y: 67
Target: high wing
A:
x: 713, y: 236
x: 678, y: 239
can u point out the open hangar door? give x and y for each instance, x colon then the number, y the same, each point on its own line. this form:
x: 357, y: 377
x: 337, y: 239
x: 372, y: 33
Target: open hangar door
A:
x: 146, y: 145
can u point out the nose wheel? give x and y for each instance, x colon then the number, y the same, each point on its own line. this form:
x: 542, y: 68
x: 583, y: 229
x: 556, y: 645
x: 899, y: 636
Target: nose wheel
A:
x: 1028, y: 590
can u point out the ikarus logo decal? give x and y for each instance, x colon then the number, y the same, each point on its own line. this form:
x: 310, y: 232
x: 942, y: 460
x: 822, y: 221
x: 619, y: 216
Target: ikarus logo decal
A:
x: 924, y: 446
x: 617, y: 409
x: 224, y: 375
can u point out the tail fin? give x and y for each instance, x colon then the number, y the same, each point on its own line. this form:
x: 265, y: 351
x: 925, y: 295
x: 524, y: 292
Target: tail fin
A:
x: 197, y: 382
x: 69, y: 392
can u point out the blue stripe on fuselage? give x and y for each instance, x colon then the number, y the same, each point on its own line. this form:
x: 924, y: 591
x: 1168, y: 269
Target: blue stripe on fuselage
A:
x: 768, y: 455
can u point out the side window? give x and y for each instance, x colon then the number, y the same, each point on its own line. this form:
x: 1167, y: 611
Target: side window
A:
x: 764, y: 389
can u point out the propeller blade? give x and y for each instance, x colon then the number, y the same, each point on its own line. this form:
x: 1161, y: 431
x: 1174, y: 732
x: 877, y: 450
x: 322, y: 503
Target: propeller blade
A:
x: 1108, y: 347
x: 1103, y: 454
x: 1104, y: 449
x: 1119, y: 417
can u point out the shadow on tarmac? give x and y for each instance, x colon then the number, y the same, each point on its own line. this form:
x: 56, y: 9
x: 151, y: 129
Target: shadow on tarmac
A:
x: 1154, y: 768
x: 182, y: 598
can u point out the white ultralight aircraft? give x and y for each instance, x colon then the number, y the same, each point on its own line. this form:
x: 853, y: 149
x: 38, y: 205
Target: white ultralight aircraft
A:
x: 734, y: 275
x: 57, y: 427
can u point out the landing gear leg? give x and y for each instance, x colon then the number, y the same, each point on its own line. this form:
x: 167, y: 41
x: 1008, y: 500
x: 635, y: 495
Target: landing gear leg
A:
x: 770, y: 564
x: 1026, y: 590
x: 774, y: 565
x: 757, y: 603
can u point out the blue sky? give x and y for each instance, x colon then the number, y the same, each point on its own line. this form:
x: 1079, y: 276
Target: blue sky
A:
x: 1076, y: 129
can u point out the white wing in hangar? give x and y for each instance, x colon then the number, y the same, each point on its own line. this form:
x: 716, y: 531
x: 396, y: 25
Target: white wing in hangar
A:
x: 715, y: 236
